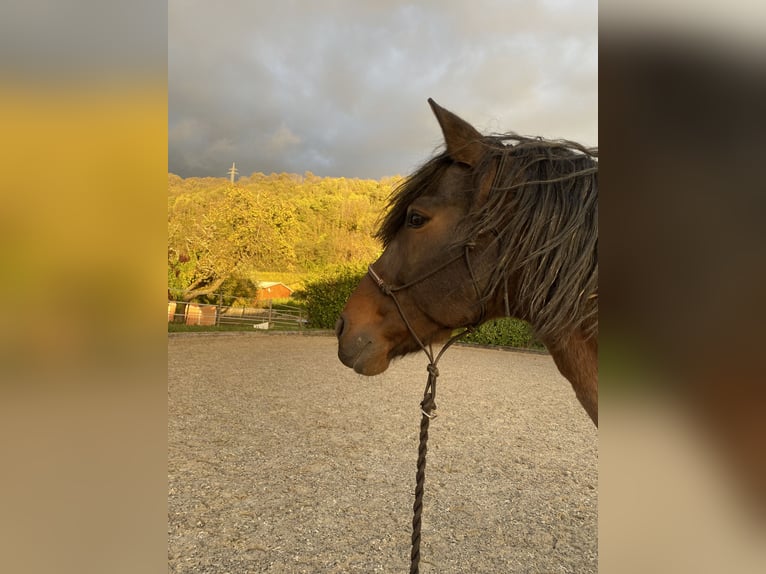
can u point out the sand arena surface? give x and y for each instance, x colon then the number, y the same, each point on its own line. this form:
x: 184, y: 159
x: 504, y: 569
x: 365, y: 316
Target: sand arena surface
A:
x: 280, y: 459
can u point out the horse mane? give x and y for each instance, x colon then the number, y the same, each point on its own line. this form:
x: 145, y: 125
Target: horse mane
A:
x: 541, y: 211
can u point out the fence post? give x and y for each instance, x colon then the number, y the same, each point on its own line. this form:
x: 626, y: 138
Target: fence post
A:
x: 269, y: 313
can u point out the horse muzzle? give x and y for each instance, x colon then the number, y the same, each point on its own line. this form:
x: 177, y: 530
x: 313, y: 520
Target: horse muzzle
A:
x: 359, y: 350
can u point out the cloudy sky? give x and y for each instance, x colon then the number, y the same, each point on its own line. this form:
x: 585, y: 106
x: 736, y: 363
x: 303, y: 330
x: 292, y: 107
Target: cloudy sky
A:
x: 339, y: 87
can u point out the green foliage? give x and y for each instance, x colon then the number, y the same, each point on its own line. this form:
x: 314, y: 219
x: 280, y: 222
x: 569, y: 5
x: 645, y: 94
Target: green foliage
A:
x: 231, y: 232
x: 181, y: 268
x: 506, y: 333
x: 236, y: 291
x: 284, y: 223
x: 326, y: 294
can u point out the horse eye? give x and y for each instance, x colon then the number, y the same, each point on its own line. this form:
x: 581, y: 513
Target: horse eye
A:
x: 415, y: 220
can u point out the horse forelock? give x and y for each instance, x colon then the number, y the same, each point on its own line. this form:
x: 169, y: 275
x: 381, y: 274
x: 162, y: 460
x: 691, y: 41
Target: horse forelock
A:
x: 423, y: 181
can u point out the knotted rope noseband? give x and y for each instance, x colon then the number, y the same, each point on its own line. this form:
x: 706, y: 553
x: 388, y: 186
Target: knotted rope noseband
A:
x: 428, y: 404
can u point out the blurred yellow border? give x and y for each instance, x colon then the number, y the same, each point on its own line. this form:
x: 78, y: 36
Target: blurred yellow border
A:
x: 83, y: 223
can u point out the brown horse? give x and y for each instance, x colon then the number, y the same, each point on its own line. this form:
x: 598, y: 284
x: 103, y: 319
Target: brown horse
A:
x: 494, y: 226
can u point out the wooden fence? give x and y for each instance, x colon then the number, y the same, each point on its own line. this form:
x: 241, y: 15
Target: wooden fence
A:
x: 268, y: 317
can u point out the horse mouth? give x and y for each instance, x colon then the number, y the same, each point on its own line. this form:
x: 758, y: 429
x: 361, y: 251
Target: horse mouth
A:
x: 369, y: 358
x: 362, y: 358
x: 369, y: 354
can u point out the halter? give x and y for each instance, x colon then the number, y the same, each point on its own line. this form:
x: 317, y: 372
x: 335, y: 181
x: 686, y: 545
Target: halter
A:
x: 391, y: 291
x: 428, y: 404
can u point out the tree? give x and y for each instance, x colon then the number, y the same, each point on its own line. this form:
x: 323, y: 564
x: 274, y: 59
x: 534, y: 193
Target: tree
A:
x: 232, y: 236
x: 267, y: 223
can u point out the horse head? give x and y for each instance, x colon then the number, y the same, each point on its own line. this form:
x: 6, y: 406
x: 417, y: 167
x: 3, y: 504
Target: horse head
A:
x: 438, y: 281
x: 494, y: 226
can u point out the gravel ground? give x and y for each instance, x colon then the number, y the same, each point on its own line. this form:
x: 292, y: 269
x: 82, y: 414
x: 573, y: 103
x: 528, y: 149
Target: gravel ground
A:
x: 280, y: 459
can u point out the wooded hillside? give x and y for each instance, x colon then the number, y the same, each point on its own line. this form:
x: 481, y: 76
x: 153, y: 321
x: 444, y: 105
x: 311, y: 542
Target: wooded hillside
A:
x: 222, y: 235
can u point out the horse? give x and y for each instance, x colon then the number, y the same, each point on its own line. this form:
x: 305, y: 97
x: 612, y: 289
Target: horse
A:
x: 493, y: 226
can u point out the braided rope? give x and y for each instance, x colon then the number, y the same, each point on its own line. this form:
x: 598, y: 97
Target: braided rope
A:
x: 428, y: 409
x: 428, y: 404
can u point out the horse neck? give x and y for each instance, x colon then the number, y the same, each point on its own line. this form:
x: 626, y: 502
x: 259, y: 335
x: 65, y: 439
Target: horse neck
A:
x: 577, y: 359
x: 575, y: 355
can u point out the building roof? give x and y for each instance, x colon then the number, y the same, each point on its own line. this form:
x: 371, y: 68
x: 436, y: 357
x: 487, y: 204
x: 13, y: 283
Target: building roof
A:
x: 268, y: 284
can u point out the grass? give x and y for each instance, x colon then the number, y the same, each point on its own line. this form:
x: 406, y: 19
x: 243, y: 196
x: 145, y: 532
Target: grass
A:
x: 182, y: 328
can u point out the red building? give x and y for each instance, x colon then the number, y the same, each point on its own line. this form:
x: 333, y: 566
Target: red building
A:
x: 272, y: 290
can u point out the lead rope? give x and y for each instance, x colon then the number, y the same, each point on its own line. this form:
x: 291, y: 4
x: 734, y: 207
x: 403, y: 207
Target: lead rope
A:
x: 428, y: 411
x: 428, y: 404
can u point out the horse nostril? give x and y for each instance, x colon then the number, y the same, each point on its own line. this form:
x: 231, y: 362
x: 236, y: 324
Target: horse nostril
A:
x: 339, y: 325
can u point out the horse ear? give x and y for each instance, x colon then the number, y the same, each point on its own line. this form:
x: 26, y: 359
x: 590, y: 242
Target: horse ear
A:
x: 463, y: 141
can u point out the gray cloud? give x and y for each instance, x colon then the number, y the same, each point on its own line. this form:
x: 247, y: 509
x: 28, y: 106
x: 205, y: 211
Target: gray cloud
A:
x: 339, y: 87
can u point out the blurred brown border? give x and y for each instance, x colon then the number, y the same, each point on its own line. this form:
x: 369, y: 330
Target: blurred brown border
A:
x: 683, y: 374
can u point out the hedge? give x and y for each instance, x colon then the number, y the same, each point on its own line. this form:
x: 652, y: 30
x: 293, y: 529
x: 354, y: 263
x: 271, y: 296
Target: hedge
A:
x: 507, y: 332
x: 326, y: 294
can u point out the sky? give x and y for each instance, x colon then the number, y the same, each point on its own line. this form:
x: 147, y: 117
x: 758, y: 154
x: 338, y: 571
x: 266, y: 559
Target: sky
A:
x: 339, y: 87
